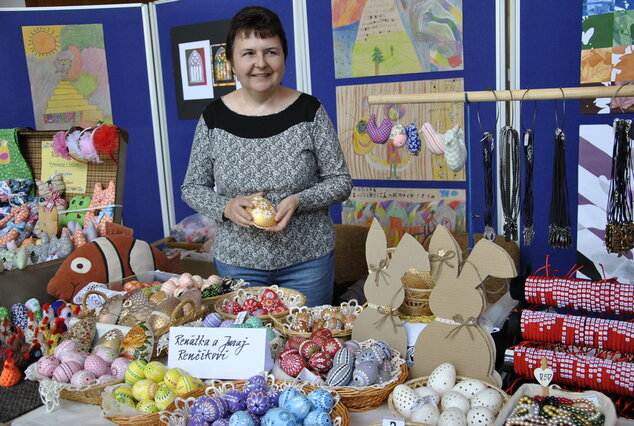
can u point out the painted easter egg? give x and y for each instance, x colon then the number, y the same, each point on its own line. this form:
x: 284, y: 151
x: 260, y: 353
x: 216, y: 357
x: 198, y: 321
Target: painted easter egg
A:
x: 96, y: 365
x: 138, y: 343
x: 317, y: 418
x: 262, y: 212
x: 124, y: 395
x: 241, y: 418
x: 340, y: 375
x: 343, y: 356
x: 321, y: 399
x: 255, y: 384
x: 214, y: 319
x: 299, y: 406
x: 135, y: 371
x: 64, y: 372
x: 155, y: 371
x: 236, y: 400
x: 258, y: 403
x: 278, y: 417
x: 365, y: 374
x: 442, y: 378
x: 119, y: 367
x: 163, y: 397
x: 83, y: 378
x: 46, y: 365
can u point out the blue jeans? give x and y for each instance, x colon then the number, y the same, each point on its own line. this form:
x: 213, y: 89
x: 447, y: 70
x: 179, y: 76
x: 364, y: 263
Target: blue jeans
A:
x: 314, y: 279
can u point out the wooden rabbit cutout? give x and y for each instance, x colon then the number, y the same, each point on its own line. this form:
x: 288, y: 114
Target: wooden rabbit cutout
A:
x: 384, y: 289
x: 457, y: 301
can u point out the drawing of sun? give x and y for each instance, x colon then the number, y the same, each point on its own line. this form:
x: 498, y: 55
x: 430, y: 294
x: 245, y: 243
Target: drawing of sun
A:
x: 42, y: 41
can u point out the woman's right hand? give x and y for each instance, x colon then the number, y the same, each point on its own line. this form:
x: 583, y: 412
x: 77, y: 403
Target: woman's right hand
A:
x: 235, y: 211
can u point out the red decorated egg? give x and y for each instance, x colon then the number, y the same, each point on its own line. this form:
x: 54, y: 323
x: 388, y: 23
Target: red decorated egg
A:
x: 288, y: 351
x: 321, y: 332
x: 268, y: 293
x: 321, y: 362
x: 294, y: 342
x: 307, y: 348
x: 232, y: 308
x: 331, y: 346
x: 292, y: 364
x: 251, y: 305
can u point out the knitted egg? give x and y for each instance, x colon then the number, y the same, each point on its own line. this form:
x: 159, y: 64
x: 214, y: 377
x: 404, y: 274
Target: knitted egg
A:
x: 214, y: 319
x: 262, y: 212
x: 365, y: 374
x: 340, y: 375
x: 321, y: 399
x: 83, y: 378
x: 64, y: 372
x: 46, y: 365
x: 258, y: 403
x: 96, y: 365
x: 119, y: 367
x: 317, y: 418
x: 235, y: 399
x: 65, y: 345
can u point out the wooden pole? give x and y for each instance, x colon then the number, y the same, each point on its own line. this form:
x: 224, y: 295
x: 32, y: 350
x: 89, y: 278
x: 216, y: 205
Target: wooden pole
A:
x: 505, y: 95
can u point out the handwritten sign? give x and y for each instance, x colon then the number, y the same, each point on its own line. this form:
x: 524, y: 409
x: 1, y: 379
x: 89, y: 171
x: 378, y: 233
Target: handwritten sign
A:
x: 219, y: 353
x: 75, y: 173
x: 372, y: 194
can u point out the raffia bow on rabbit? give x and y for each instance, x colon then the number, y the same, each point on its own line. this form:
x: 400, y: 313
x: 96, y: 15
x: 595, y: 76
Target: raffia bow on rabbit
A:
x: 383, y: 288
x: 457, y: 301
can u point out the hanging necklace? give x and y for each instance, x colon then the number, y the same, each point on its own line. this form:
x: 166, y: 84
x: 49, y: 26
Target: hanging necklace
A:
x: 529, y: 161
x: 559, y: 234
x: 509, y: 170
x: 488, y: 146
x: 619, y: 236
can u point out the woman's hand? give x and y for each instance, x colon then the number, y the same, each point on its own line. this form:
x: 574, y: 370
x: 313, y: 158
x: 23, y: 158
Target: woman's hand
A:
x: 284, y: 212
x: 235, y: 211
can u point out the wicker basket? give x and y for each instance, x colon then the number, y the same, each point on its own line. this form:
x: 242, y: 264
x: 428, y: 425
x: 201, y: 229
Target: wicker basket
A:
x: 422, y: 381
x: 371, y: 397
x: 418, y: 286
x: 339, y: 413
x: 284, y: 325
x: 210, y: 302
x: 291, y: 298
x: 175, y: 321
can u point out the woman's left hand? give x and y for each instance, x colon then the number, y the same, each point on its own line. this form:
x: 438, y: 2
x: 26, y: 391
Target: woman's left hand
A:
x: 284, y: 212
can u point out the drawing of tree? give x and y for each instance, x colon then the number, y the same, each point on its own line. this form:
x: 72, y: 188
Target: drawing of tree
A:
x: 377, y: 58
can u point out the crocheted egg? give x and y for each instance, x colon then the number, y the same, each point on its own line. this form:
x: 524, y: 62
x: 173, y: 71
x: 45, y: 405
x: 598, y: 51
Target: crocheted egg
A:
x: 262, y: 212
x: 119, y: 367
x: 83, y: 378
x: 214, y: 319
x: 96, y: 365
x: 317, y: 418
x: 46, y: 365
x: 278, y: 416
x: 299, y: 406
x: 340, y: 375
x: 19, y: 315
x: 236, y: 400
x: 4, y: 313
x: 365, y: 374
x: 64, y: 372
x: 257, y: 403
x: 321, y: 399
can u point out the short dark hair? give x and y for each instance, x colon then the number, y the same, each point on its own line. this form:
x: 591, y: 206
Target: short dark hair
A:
x: 260, y: 21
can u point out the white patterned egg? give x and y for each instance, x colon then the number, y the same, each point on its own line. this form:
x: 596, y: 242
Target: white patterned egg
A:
x: 452, y: 417
x: 480, y: 416
x: 404, y: 399
x: 489, y: 398
x: 425, y: 391
x: 427, y: 414
x: 455, y: 399
x: 443, y: 378
x: 469, y: 387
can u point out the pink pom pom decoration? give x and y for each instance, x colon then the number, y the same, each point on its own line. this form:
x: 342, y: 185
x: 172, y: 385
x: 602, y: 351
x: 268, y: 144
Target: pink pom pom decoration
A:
x: 59, y: 145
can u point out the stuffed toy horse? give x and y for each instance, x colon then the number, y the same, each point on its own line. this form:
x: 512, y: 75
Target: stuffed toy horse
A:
x: 106, y: 260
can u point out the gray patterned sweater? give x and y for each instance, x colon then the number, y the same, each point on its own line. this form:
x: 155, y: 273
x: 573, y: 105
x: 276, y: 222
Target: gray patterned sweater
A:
x: 295, y: 151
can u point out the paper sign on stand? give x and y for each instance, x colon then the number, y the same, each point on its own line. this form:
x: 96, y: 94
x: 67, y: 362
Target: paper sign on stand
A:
x: 219, y: 353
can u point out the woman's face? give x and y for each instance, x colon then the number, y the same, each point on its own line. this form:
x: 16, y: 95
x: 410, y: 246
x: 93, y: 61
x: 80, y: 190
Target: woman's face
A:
x: 258, y: 62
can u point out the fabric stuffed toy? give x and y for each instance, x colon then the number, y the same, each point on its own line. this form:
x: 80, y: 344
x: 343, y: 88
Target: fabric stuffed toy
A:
x: 12, y: 162
x: 51, y: 203
x: 78, y: 202
x: 106, y: 260
x: 101, y: 210
x: 13, y: 226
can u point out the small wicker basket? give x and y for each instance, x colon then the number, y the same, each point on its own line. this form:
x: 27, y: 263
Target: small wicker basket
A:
x: 422, y: 381
x: 371, y: 397
x: 418, y: 286
x: 285, y: 325
x: 291, y: 298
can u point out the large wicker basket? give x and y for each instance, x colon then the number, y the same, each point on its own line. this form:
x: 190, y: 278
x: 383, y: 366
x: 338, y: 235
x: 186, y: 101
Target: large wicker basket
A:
x: 285, y: 324
x: 291, y: 298
x: 422, y: 381
x: 371, y: 397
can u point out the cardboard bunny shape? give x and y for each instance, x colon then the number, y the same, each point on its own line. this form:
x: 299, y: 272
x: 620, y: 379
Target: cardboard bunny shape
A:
x: 383, y: 288
x: 457, y: 301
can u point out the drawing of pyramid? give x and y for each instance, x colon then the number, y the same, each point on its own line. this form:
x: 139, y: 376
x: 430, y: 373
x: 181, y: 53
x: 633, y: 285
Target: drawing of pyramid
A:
x: 67, y: 106
x: 379, y: 18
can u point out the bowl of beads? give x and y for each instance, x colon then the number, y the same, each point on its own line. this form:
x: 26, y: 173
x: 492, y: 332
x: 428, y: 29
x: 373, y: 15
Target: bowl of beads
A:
x: 302, y: 321
x: 260, y: 400
x: 263, y: 302
x: 529, y: 405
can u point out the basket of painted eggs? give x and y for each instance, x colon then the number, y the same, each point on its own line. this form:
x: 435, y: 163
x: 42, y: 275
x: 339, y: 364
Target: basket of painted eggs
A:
x: 362, y: 373
x: 445, y: 399
x: 75, y: 374
x: 264, y: 302
x: 303, y: 321
x: 150, y: 388
x: 260, y: 400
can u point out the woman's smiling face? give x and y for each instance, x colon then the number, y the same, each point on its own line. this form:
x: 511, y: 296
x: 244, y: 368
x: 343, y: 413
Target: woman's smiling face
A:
x: 258, y: 62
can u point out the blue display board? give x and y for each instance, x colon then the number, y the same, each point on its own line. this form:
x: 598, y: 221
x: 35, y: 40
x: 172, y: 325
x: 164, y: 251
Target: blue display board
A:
x: 129, y: 94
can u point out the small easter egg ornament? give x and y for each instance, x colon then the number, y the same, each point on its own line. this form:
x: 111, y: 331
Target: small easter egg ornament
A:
x: 241, y: 418
x: 135, y: 371
x: 124, y: 395
x: 144, y: 389
x: 317, y: 418
x: 155, y: 371
x: 321, y: 399
x: 163, y: 397
x: 147, y: 406
x: 279, y: 417
x: 171, y: 377
x: 262, y: 212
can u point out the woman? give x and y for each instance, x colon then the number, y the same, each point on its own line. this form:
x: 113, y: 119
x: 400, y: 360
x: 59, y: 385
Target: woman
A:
x: 274, y: 141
